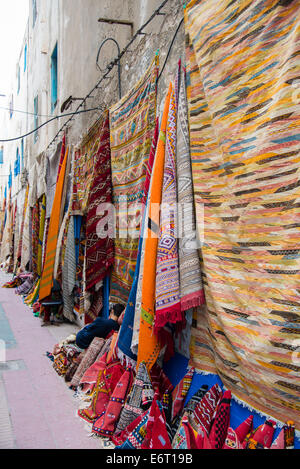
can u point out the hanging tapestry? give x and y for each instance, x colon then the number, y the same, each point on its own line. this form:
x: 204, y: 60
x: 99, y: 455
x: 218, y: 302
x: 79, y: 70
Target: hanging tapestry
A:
x: 69, y: 272
x: 149, y: 344
x: 60, y: 243
x: 41, y: 168
x: 16, y: 236
x: 47, y: 275
x: 242, y: 69
x: 99, y: 239
x: 12, y: 237
x: 132, y: 126
x: 191, y: 288
x: 32, y: 181
x: 35, y: 235
x: 23, y: 223
x: 51, y: 177
x: 84, y: 163
x: 126, y: 331
x: 133, y: 407
x: 167, y: 289
x: 42, y: 213
x: 89, y: 358
x: 25, y: 247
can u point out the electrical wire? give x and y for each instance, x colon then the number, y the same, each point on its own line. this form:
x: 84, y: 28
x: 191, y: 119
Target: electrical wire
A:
x: 24, y: 112
x: 47, y: 122
x: 113, y: 63
x: 170, y: 48
x: 108, y: 69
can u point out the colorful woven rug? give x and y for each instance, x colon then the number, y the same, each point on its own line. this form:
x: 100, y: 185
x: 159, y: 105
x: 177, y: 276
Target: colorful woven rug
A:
x: 41, y: 168
x: 23, y: 222
x: 51, y: 177
x: 156, y: 428
x: 90, y: 357
x: 149, y: 345
x: 167, y: 288
x: 132, y: 126
x: 242, y: 69
x: 191, y: 287
x: 84, y: 162
x: 133, y: 407
x: 35, y: 235
x: 25, y: 248
x: 5, y: 245
x: 42, y: 213
x: 99, y: 247
x: 132, y: 312
x: 47, y: 275
x: 105, y: 425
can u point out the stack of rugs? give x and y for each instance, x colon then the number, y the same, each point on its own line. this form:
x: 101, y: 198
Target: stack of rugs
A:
x: 137, y: 409
x: 22, y: 282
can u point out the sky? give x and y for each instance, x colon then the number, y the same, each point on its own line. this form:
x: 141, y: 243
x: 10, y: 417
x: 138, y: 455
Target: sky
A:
x: 13, y: 20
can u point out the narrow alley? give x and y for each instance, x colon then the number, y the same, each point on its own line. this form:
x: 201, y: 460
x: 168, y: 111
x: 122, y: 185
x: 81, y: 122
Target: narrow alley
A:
x: 149, y: 225
x: 37, y: 409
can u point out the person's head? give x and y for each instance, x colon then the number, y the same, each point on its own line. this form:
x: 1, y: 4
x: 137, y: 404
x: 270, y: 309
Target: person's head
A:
x: 116, y: 311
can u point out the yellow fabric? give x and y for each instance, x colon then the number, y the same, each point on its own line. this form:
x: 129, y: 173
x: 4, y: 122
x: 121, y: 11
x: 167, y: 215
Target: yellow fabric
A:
x: 47, y: 275
x: 149, y: 345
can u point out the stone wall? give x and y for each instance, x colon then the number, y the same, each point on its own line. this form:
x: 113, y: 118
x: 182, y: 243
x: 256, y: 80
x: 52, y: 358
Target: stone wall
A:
x: 74, y: 26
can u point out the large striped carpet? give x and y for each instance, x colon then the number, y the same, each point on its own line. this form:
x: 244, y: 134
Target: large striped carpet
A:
x: 242, y: 71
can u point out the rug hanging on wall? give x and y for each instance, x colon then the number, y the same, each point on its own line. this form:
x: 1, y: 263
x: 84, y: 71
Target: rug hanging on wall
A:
x: 84, y: 161
x: 244, y: 127
x: 132, y: 126
x: 99, y: 242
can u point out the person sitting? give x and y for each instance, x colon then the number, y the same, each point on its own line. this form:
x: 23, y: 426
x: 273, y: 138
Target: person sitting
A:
x: 101, y: 327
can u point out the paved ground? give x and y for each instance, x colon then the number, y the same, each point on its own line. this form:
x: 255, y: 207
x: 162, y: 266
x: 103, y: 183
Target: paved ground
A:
x: 37, y: 409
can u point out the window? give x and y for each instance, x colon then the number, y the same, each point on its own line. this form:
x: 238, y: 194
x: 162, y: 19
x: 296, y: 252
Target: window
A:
x: 1, y: 155
x: 17, y: 163
x: 11, y: 106
x: 54, y: 79
x: 34, y: 12
x: 36, y: 118
x: 22, y: 152
x: 25, y: 57
x: 19, y: 79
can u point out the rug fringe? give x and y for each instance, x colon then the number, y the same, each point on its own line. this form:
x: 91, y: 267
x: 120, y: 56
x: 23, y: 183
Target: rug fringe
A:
x: 125, y: 360
x: 244, y: 404
x: 196, y: 300
x: 264, y: 415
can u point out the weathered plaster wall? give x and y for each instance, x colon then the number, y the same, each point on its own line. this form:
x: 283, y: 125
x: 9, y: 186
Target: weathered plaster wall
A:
x: 135, y: 62
x: 74, y: 26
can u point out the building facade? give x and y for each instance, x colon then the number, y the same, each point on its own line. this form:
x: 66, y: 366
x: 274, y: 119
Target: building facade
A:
x: 60, y: 63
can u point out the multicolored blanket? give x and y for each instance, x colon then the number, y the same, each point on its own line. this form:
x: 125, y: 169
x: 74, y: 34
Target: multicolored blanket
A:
x: 84, y: 162
x: 132, y: 125
x: 99, y: 241
x: 191, y: 287
x: 47, y: 275
x: 149, y: 344
x: 242, y: 70
x: 167, y: 288
x: 53, y: 161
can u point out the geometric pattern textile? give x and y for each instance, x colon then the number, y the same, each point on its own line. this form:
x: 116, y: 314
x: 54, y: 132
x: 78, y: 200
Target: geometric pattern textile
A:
x: 99, y: 250
x: 242, y: 68
x: 149, y: 345
x: 132, y: 126
x: 167, y: 290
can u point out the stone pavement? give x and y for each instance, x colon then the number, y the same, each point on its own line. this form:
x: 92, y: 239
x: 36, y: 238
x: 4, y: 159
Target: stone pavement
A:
x: 37, y: 409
